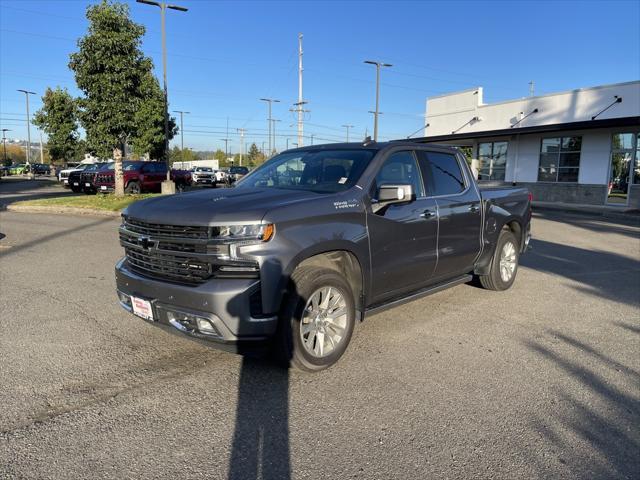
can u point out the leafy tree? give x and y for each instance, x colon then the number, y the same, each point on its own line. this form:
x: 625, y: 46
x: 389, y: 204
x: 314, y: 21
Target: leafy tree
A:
x: 115, y: 78
x: 15, y: 154
x: 255, y: 156
x: 178, y: 155
x: 149, y: 121
x: 58, y: 117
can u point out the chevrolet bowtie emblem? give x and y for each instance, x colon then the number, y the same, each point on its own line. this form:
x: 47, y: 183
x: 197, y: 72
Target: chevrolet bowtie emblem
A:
x: 146, y: 243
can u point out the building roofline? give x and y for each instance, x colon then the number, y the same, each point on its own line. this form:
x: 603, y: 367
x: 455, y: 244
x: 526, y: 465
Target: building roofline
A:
x: 457, y: 92
x: 554, y: 127
x: 520, y: 99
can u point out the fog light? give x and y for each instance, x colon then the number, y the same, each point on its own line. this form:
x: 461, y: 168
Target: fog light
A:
x: 205, y: 326
x: 189, y: 323
x: 125, y: 300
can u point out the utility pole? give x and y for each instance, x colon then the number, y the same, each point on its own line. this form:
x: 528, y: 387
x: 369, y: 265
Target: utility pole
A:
x: 241, y: 132
x: 41, y: 149
x: 263, y: 149
x: 269, y: 120
x: 4, y: 143
x: 531, y: 88
x: 274, y: 120
x: 287, y: 143
x: 27, y: 93
x: 226, y: 151
x: 377, y: 112
x: 312, y: 135
x: 163, y: 7
x: 181, y: 112
x: 347, y: 127
x: 299, y: 105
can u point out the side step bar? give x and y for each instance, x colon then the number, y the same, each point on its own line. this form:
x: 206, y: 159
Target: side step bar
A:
x: 419, y: 294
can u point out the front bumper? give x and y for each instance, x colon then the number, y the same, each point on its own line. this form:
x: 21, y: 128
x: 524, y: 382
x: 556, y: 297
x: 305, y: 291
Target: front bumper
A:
x: 224, y: 303
x: 203, y: 181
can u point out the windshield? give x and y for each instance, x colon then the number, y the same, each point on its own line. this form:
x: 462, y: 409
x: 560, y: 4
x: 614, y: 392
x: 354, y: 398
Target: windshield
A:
x: 321, y: 171
x: 241, y: 170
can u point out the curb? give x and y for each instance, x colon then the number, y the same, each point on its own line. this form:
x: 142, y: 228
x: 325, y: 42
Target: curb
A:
x: 59, y: 210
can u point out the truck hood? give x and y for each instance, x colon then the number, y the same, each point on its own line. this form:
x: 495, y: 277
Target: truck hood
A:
x: 215, y: 207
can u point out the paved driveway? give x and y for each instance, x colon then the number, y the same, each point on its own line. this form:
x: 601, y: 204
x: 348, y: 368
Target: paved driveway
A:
x: 541, y: 381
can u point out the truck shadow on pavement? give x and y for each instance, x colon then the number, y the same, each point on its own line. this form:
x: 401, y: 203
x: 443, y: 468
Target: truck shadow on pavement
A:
x: 601, y: 273
x: 260, y: 448
x: 593, y: 404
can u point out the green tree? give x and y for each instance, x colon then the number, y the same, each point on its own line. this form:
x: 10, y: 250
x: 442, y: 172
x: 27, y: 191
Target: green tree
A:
x: 115, y: 78
x: 58, y: 118
x: 178, y: 155
x: 149, y: 121
x: 255, y: 156
x: 221, y: 157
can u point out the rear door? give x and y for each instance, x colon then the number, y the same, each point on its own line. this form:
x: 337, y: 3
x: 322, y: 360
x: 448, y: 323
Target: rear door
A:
x: 403, y: 237
x: 459, y: 211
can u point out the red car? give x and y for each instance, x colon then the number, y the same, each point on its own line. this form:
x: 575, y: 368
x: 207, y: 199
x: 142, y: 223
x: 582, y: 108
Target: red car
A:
x: 141, y: 177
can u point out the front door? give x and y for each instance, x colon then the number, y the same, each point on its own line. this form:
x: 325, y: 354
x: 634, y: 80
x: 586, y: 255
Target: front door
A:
x: 624, y: 149
x: 403, y: 236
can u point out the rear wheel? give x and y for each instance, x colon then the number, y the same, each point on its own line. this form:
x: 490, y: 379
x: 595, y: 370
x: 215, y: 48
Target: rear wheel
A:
x: 132, y: 188
x: 504, y: 264
x: 316, y: 321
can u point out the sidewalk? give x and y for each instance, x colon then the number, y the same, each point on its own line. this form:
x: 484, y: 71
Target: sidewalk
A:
x: 604, y: 210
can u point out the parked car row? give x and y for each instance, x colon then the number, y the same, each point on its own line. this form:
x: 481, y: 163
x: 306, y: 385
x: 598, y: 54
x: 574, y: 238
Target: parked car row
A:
x: 142, y: 177
x: 139, y: 177
x: 24, y: 168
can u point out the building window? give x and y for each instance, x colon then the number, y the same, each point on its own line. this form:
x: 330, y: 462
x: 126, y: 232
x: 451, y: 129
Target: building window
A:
x: 560, y: 159
x: 493, y: 160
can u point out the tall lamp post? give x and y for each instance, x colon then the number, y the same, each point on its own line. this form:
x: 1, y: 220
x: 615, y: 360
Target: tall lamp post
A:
x: 181, y: 112
x: 269, y: 120
x: 163, y: 6
x: 4, y: 143
x: 26, y: 94
x: 347, y: 127
x: 377, y: 112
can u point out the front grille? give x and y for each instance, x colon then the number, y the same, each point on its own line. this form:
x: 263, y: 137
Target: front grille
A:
x: 104, y: 178
x: 175, y: 231
x: 176, y: 268
x: 170, y: 255
x: 87, y: 177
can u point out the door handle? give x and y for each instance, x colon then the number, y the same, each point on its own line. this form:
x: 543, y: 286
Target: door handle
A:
x: 428, y: 214
x: 474, y: 208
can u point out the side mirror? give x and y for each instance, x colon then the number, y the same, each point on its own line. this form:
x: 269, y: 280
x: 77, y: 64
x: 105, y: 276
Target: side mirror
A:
x: 395, y: 194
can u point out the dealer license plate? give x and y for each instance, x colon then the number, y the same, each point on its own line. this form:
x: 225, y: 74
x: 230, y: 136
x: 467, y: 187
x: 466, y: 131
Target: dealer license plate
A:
x: 75, y: 184
x: 103, y: 187
x: 87, y: 184
x: 142, y: 308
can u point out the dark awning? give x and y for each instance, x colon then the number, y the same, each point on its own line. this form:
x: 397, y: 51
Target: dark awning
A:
x: 589, y: 124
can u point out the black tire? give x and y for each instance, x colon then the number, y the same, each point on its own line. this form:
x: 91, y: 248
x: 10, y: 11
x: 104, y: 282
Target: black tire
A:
x: 132, y: 187
x: 494, y: 280
x: 76, y: 189
x: 290, y: 350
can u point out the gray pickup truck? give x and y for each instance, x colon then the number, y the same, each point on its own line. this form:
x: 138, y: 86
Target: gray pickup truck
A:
x: 312, y: 242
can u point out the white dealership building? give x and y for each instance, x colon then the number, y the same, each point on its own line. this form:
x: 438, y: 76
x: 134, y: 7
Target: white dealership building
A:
x: 579, y: 146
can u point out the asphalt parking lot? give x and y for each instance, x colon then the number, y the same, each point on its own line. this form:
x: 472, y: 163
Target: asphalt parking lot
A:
x: 541, y: 381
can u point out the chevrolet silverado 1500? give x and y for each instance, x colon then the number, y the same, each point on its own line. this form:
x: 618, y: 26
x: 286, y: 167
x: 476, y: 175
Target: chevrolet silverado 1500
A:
x: 314, y: 240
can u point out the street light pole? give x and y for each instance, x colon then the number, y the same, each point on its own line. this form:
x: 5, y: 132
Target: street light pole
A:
x: 4, y: 143
x: 181, y: 112
x: 377, y: 112
x: 275, y: 146
x: 163, y: 6
x: 347, y: 127
x: 269, y: 120
x: 26, y: 94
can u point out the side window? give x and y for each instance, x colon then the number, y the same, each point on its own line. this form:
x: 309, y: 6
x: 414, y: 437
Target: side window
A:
x: 442, y: 173
x: 401, y: 168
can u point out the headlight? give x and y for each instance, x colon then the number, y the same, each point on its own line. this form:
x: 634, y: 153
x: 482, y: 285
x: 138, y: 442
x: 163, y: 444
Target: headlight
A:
x: 259, y: 232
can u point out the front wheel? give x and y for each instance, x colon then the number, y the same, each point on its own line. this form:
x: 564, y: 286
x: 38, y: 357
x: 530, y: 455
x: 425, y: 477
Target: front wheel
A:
x: 504, y: 264
x: 316, y: 320
x: 132, y: 188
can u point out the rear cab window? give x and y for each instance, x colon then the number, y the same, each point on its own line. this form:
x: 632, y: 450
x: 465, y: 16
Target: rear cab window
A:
x: 441, y: 173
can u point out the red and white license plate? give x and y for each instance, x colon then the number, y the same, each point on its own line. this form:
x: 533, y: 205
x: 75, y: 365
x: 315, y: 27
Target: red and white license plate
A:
x: 142, y: 308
